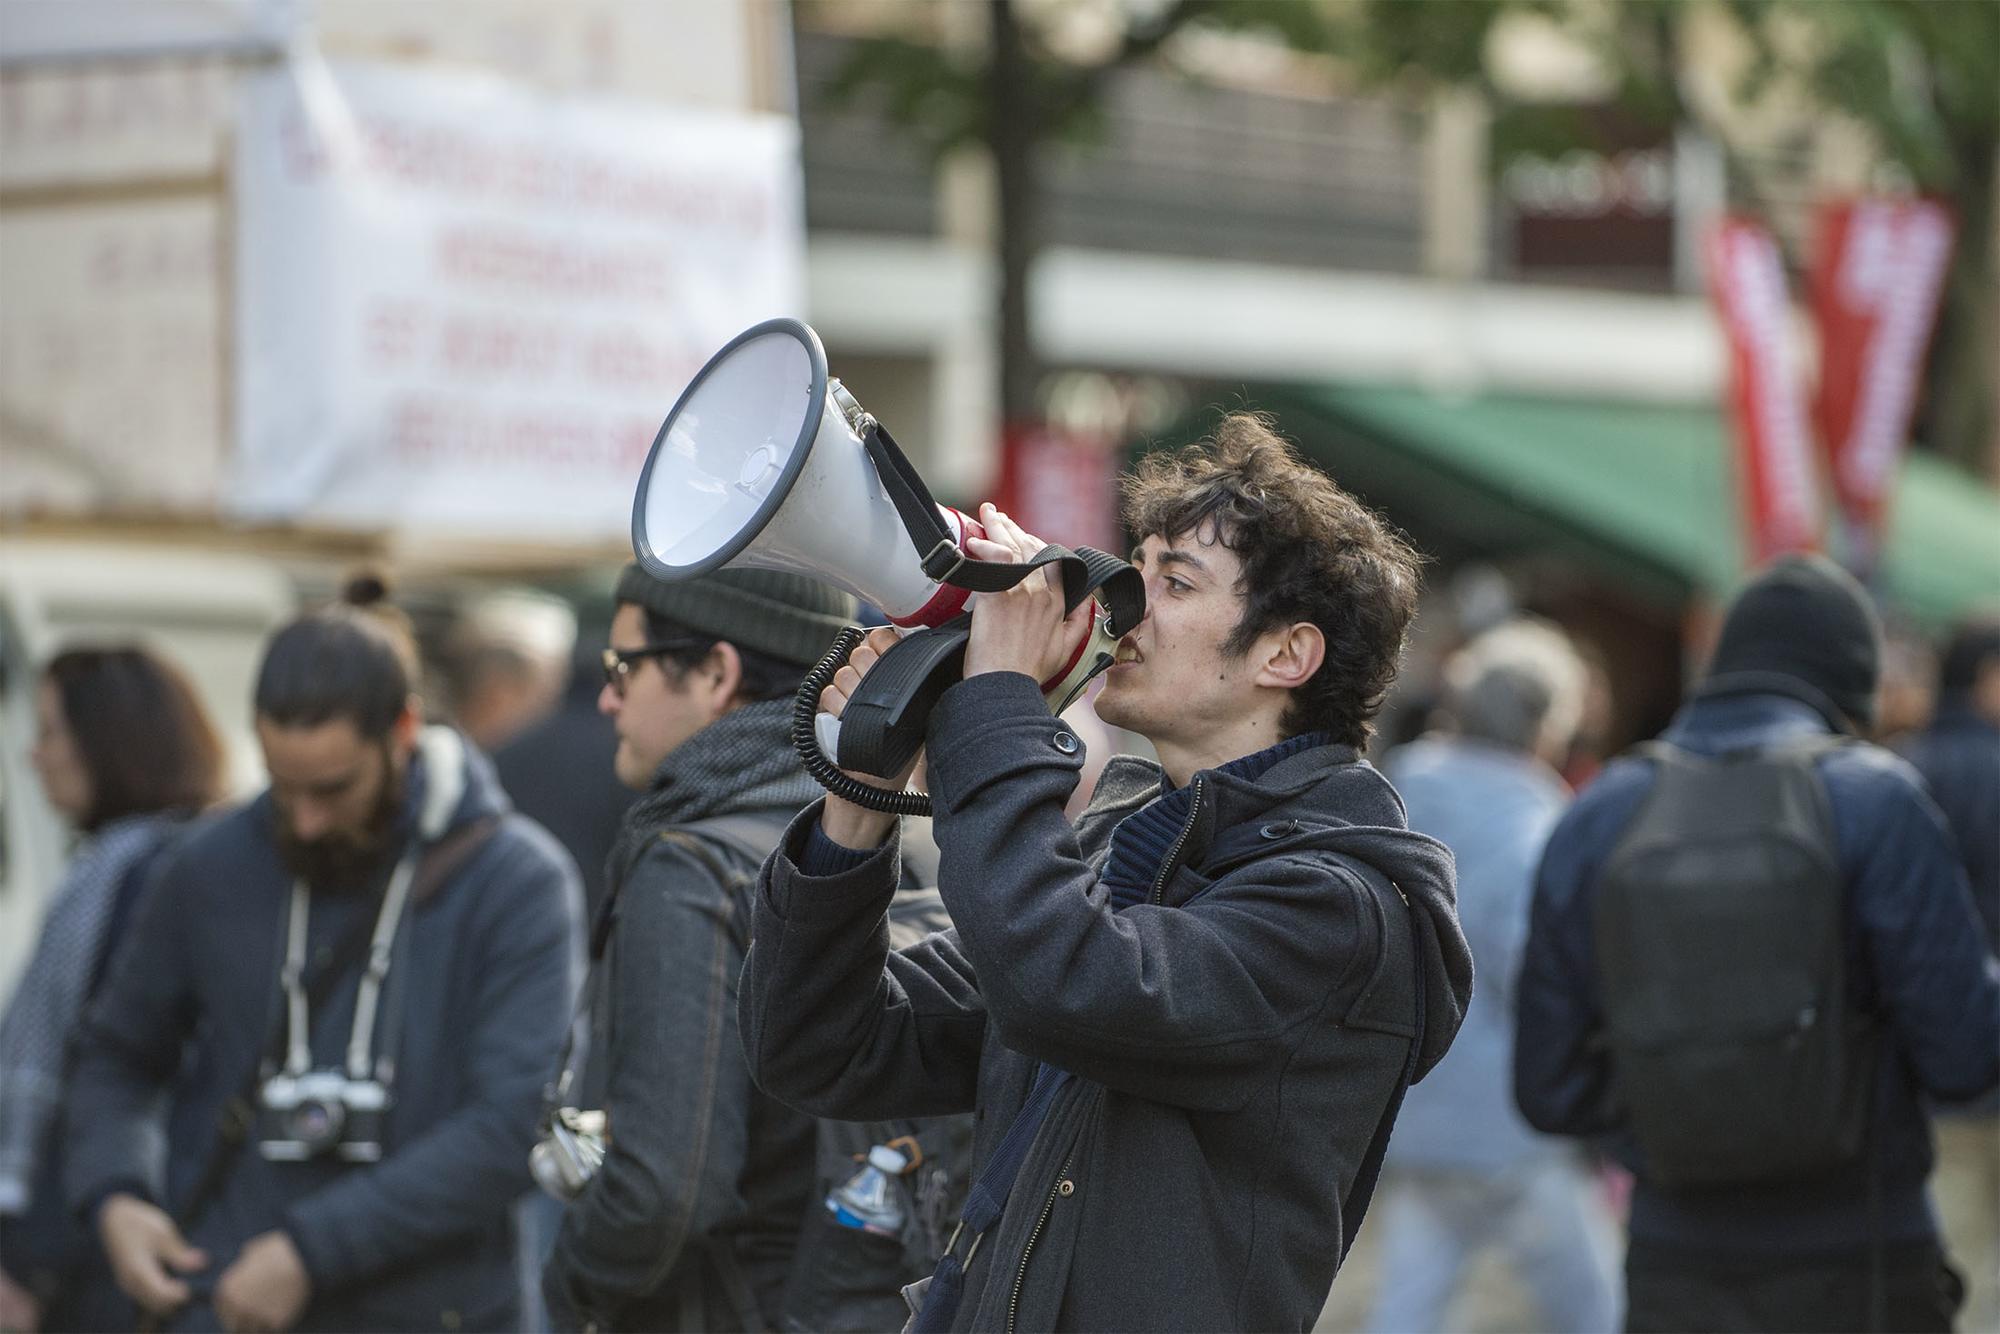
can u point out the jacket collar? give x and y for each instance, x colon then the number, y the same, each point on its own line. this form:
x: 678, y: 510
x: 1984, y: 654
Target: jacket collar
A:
x: 1714, y: 724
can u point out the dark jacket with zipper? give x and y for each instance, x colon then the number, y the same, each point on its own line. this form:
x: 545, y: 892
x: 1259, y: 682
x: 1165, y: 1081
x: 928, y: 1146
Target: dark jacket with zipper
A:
x: 695, y: 1213
x: 1236, y: 1040
x: 472, y: 1009
x: 694, y: 1220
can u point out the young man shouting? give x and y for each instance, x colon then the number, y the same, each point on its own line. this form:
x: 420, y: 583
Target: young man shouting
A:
x: 1184, y: 1024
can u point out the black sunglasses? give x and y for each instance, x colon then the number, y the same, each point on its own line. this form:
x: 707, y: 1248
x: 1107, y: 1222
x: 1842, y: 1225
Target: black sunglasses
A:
x: 618, y: 663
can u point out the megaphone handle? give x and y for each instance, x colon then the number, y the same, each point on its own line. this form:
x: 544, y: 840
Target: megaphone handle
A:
x: 806, y: 739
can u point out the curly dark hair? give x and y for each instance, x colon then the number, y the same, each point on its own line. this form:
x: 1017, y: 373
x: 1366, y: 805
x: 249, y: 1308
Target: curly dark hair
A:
x: 1310, y: 552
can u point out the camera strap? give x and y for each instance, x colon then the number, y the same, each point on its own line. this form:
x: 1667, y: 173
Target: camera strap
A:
x: 238, y: 1115
x: 381, y: 945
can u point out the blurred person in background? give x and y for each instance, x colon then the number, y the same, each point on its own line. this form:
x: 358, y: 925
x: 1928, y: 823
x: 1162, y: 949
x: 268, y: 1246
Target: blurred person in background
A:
x: 1464, y: 1174
x: 506, y: 663
x: 1753, y: 1004
x: 693, y: 1221
x: 1908, y: 696
x: 126, y: 755
x: 559, y: 773
x: 1959, y: 757
x: 368, y: 968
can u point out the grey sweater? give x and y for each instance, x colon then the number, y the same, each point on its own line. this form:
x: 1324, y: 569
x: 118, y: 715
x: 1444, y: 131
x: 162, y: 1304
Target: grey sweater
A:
x: 1236, y: 1043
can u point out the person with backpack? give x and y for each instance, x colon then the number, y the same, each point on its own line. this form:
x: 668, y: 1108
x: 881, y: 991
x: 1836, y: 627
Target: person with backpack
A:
x: 353, y: 987
x: 1751, y: 955
x: 1184, y: 1025
x: 126, y: 753
x: 689, y: 1199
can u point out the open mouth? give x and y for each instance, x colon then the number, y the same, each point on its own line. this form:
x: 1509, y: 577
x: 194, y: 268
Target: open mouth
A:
x: 1126, y: 655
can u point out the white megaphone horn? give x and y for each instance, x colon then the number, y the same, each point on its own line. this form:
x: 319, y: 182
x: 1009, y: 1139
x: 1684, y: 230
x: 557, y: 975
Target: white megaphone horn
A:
x: 765, y: 461
x: 761, y: 463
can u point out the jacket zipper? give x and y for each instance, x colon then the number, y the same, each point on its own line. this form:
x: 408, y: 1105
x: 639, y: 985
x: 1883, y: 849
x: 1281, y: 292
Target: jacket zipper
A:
x: 1048, y: 1207
x: 1173, y: 853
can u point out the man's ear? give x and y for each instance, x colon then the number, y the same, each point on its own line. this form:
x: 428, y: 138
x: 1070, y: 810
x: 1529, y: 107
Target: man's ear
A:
x: 719, y: 677
x: 1291, y: 655
x: 408, y: 723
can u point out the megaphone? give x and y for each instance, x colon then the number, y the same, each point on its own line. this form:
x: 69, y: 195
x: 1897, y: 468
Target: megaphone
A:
x: 767, y: 461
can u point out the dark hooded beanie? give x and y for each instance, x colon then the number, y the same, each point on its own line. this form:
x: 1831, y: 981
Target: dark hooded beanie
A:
x: 1803, y: 627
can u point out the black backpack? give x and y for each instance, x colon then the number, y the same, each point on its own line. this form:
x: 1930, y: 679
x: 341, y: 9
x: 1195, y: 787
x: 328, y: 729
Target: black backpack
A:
x: 1720, y: 931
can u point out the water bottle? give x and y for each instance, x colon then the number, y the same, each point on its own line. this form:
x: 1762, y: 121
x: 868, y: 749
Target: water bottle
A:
x: 868, y: 1200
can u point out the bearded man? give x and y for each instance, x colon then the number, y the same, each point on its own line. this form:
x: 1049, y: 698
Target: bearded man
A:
x: 356, y: 986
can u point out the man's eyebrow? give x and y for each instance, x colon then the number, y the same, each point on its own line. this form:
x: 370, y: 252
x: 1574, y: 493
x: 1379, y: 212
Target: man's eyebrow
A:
x: 1175, y: 556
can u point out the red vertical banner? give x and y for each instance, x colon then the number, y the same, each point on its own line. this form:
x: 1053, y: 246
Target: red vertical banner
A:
x: 1778, y: 483
x: 1062, y: 486
x: 1877, y: 276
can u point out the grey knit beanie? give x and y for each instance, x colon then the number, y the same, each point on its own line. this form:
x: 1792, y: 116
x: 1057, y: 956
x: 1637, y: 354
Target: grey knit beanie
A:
x: 788, y: 616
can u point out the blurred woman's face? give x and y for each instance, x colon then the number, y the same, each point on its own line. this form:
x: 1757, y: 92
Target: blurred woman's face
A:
x: 65, y: 780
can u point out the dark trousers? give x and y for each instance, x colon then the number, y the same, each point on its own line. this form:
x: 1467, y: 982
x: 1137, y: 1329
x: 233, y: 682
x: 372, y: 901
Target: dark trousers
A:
x: 1669, y: 1289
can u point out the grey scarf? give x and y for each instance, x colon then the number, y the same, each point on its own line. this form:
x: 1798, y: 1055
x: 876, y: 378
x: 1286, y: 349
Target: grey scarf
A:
x: 42, y: 1019
x: 743, y: 761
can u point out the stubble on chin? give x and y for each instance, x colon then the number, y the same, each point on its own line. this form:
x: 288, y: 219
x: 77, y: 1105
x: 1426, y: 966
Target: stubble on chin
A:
x: 1116, y: 708
x: 625, y: 767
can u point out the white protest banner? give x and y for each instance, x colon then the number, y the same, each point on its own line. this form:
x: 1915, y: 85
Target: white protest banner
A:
x: 466, y: 306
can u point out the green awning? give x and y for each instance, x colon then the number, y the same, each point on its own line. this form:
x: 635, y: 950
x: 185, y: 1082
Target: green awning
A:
x: 1644, y: 494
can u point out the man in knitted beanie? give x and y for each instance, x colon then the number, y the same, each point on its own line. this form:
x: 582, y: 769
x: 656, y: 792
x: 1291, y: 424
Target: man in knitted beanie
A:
x: 693, y: 1221
x: 1757, y: 861
x: 698, y: 681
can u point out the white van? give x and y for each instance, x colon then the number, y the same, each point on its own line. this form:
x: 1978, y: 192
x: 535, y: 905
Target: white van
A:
x: 209, y: 612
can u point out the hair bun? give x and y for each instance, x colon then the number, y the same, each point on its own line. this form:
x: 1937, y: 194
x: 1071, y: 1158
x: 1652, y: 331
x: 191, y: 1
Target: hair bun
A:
x: 365, y: 588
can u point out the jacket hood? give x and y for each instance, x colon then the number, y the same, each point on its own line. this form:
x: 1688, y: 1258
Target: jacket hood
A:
x: 1328, y: 798
x: 451, y: 784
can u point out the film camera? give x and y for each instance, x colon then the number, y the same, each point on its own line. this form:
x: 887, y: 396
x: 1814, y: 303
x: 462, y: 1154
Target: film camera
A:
x: 321, y: 1113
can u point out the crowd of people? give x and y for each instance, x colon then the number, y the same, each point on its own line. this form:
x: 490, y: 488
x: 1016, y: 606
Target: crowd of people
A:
x: 1103, y: 1045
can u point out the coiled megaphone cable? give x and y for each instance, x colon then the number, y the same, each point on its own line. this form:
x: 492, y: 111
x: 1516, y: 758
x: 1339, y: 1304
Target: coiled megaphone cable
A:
x: 805, y: 740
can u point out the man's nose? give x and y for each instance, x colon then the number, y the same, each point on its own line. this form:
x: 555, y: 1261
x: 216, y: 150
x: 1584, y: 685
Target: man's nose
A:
x: 607, y: 700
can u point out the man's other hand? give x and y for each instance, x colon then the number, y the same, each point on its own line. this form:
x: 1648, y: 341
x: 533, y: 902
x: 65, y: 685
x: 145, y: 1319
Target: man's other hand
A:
x: 845, y: 823
x: 266, y: 1289
x: 1024, y: 628
x: 146, y: 1251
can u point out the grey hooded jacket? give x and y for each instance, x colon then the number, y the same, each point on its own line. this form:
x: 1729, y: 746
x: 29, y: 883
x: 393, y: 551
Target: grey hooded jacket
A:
x: 1237, y: 1041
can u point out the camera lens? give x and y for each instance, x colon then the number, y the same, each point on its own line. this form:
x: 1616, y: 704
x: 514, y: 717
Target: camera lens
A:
x: 316, y: 1123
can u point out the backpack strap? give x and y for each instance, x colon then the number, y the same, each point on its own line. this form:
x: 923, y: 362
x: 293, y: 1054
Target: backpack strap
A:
x: 753, y: 837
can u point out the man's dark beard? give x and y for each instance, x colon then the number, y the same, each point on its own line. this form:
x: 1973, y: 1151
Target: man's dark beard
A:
x: 346, y: 862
